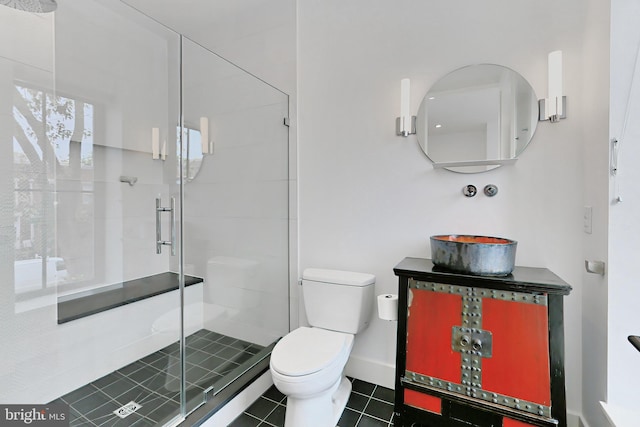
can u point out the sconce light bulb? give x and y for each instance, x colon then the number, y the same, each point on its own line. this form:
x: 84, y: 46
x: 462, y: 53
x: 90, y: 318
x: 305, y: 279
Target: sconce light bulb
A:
x: 555, y: 83
x: 155, y: 143
x: 204, y: 134
x: 405, y: 97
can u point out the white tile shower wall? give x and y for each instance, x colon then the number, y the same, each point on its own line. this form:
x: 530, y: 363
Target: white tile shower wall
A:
x: 236, y: 218
x: 259, y: 36
x: 266, y: 124
x: 241, y: 251
x: 244, y: 263
x: 48, y: 360
x: 368, y: 198
x: 123, y: 241
x: 262, y: 199
x: 28, y: 39
x: 121, y: 65
x: 237, y: 233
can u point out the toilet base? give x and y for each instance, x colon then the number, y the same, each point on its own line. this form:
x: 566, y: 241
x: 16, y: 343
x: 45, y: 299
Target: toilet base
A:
x: 322, y: 410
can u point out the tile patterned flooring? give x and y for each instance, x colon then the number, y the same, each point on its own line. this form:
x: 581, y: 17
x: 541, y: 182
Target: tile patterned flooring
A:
x: 369, y: 405
x: 153, y: 382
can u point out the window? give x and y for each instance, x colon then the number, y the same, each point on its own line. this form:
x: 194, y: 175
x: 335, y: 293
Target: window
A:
x: 53, y: 188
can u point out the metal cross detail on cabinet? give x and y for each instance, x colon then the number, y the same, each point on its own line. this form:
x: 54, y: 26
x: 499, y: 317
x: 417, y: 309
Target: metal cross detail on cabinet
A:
x: 486, y: 345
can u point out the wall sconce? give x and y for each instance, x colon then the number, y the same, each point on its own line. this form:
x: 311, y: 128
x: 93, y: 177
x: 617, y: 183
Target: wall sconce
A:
x: 554, y: 107
x: 155, y: 143
x: 207, y: 144
x: 156, y: 152
x: 406, y: 123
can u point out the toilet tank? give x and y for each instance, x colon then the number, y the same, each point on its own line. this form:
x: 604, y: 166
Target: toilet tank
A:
x: 338, y: 300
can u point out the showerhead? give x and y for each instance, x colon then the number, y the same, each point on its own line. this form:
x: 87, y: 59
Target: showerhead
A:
x: 36, y: 6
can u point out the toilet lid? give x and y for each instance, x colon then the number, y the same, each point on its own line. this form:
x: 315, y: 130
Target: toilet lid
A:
x: 308, y: 350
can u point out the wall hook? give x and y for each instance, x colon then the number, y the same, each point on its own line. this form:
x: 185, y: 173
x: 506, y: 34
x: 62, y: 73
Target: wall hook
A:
x: 595, y: 267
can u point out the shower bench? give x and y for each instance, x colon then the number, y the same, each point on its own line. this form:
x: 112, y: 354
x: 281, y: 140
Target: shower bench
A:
x: 77, y: 306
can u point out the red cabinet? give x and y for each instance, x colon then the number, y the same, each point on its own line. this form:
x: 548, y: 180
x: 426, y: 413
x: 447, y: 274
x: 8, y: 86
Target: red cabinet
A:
x: 480, y: 351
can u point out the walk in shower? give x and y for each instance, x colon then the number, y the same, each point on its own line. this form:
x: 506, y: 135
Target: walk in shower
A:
x: 143, y: 216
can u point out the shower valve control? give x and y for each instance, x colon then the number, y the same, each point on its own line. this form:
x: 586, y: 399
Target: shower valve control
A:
x: 490, y: 190
x: 469, y: 190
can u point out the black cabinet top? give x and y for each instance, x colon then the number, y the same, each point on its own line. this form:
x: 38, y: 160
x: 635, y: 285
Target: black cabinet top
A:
x: 522, y: 279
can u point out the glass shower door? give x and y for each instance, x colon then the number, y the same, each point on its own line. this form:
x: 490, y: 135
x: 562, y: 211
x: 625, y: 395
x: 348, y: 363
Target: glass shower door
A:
x: 143, y: 216
x: 91, y: 318
x: 235, y: 182
x: 29, y: 263
x: 119, y: 240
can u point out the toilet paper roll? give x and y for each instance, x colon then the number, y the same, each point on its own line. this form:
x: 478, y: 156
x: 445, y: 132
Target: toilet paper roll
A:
x: 388, y: 307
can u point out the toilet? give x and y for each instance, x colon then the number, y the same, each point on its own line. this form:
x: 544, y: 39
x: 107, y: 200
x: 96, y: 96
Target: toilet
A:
x: 307, y: 364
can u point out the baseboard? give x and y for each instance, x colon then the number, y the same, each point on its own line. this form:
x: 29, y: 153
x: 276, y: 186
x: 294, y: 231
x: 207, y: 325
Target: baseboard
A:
x: 371, y: 371
x: 620, y: 416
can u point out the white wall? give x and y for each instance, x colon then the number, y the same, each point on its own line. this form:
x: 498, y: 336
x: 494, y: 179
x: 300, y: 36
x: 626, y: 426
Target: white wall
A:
x: 624, y: 293
x: 369, y: 198
x: 595, y: 64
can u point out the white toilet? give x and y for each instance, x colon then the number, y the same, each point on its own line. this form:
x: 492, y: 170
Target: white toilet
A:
x: 307, y: 364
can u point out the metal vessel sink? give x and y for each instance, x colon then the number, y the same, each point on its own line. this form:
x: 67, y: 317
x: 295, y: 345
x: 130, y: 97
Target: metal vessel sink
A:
x: 476, y: 255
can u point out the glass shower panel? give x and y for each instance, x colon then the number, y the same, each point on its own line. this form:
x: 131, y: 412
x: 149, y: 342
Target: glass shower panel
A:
x: 92, y: 317
x: 137, y: 140
x: 28, y: 252
x: 235, y: 168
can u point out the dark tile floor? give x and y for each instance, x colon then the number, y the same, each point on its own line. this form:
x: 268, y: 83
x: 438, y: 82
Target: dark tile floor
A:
x: 153, y: 382
x: 369, y: 405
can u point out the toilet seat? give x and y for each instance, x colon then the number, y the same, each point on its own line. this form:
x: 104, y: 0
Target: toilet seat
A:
x: 306, y: 351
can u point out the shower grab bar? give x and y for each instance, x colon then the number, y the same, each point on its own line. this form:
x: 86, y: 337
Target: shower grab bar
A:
x: 159, y: 241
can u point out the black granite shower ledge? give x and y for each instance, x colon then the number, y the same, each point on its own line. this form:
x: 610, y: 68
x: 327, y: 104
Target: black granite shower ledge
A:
x: 120, y: 294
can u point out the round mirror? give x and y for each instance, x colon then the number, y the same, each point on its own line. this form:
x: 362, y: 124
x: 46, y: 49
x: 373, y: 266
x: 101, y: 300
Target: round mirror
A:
x: 477, y: 118
x: 192, y: 157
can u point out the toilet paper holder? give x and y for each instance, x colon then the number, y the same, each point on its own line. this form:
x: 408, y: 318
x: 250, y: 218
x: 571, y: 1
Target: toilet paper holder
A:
x: 388, y: 307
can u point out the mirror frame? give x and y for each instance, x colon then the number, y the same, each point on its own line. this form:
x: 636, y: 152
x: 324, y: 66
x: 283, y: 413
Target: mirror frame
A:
x: 478, y: 94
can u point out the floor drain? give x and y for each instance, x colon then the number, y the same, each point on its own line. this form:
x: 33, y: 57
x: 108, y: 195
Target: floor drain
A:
x: 127, y: 409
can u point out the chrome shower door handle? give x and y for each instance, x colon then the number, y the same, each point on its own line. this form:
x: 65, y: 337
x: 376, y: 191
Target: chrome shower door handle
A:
x: 159, y: 241
x: 173, y: 226
x: 158, y: 228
